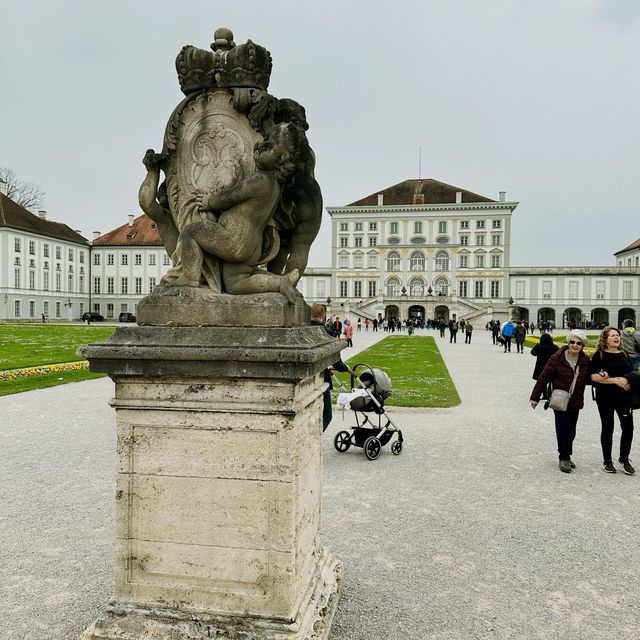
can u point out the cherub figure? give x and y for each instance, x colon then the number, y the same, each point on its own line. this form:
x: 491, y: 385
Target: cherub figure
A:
x: 240, y: 214
x: 153, y: 200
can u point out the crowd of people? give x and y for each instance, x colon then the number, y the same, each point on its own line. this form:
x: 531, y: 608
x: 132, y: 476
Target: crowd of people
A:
x: 562, y: 375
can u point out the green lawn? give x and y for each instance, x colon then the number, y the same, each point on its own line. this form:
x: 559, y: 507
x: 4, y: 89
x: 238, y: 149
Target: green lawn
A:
x: 29, y: 345
x: 19, y: 385
x: 417, y: 371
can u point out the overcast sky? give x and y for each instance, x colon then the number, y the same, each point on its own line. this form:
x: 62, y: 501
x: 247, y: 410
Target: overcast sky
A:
x: 536, y: 98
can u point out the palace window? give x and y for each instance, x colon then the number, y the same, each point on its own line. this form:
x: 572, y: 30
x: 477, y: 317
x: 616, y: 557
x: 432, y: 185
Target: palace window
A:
x: 496, y: 224
x: 373, y: 226
x: 479, y: 261
x: 495, y: 260
x: 138, y: 286
x: 69, y: 255
x: 343, y: 261
x: 393, y: 227
x: 96, y: 284
x: 627, y: 289
x: 373, y: 287
x: 442, y: 226
x: 464, y: 241
x: 573, y: 289
x: 152, y: 259
x: 373, y: 241
x: 442, y: 261
x: 393, y: 261
x: 546, y: 289
x: 416, y: 288
x: 124, y: 285
x: 357, y: 261
x: 479, y: 289
x: 519, y: 289
x: 59, y: 254
x: 357, y: 288
x: 96, y: 259
x: 45, y: 250
x: 17, y: 309
x: 417, y: 227
x: 166, y: 259
x: 357, y: 226
x: 600, y: 289
x: 372, y: 261
x: 17, y: 246
x: 496, y: 239
x: 479, y: 224
x: 124, y: 259
x: 111, y: 257
x: 344, y: 242
x: 32, y: 279
x: 58, y: 282
x: 463, y: 290
x: 441, y: 286
x: 480, y: 239
x: 32, y: 247
x: 464, y: 224
x: 393, y: 288
x: 137, y: 258
x: 152, y: 284
x: 358, y: 241
x: 344, y: 226
x: 45, y: 281
x: 495, y: 288
x: 344, y: 288
x: 416, y: 261
x: 110, y: 284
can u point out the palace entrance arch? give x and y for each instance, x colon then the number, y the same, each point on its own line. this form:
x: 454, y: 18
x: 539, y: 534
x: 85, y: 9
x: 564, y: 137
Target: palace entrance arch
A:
x: 416, y: 311
x: 391, y: 311
x: 441, y: 312
x: 626, y: 314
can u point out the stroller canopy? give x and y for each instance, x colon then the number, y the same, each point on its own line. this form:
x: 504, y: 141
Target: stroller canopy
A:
x: 378, y: 382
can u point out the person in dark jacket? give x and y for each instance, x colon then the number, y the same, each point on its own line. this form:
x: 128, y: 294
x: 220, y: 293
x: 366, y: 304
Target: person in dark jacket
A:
x: 318, y: 317
x: 609, y: 366
x: 543, y: 351
x: 563, y: 367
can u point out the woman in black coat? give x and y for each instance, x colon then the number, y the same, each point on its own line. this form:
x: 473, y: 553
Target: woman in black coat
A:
x: 566, y: 365
x: 543, y: 351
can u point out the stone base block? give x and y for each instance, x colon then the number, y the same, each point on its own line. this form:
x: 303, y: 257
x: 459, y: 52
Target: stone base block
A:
x: 191, y: 307
x: 313, y: 622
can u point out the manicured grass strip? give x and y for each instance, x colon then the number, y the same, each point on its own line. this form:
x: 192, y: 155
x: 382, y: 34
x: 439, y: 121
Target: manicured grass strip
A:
x: 417, y: 371
x: 30, y: 345
x: 19, y: 385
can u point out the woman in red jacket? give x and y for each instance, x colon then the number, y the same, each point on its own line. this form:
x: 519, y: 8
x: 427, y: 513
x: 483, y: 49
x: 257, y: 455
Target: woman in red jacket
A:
x: 567, y: 368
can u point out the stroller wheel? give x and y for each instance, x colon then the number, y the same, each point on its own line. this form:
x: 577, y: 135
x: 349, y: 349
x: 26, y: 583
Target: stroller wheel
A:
x: 396, y: 448
x: 372, y: 448
x: 342, y: 441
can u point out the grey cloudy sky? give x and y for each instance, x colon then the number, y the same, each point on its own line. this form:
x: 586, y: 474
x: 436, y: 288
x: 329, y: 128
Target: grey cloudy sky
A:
x: 540, y: 99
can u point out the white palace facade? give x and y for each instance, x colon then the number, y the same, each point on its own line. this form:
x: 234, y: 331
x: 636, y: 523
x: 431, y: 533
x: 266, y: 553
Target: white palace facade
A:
x: 420, y: 248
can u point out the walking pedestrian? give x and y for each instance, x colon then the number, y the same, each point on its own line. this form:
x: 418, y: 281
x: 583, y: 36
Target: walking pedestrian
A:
x: 468, y: 329
x: 543, y: 351
x: 520, y: 333
x: 567, y: 370
x: 508, y: 329
x: 453, y: 331
x: 608, y: 366
x: 631, y: 343
x: 348, y: 332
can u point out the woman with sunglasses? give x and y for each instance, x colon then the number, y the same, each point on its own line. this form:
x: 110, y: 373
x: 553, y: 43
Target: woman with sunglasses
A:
x: 608, y: 366
x: 568, y: 370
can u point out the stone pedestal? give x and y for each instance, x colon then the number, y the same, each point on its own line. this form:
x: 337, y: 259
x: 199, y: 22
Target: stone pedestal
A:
x: 219, y: 486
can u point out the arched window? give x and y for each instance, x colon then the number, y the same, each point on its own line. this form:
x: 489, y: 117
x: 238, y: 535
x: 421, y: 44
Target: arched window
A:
x: 416, y: 261
x: 416, y: 288
x: 393, y: 288
x: 393, y: 261
x: 441, y: 286
x: 442, y: 261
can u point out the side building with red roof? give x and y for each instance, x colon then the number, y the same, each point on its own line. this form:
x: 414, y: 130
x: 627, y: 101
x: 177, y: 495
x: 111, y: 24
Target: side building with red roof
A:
x: 43, y: 266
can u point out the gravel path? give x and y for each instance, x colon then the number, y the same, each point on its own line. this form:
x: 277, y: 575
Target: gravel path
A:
x: 471, y: 533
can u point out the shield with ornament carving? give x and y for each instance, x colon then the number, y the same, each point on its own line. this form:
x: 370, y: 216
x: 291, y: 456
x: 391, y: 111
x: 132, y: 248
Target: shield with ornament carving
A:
x: 210, y: 149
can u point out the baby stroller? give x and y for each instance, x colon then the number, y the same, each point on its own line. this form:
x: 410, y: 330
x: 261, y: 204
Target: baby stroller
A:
x: 367, y: 435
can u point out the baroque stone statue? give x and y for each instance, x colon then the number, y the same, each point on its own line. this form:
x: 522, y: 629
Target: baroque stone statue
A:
x: 239, y: 206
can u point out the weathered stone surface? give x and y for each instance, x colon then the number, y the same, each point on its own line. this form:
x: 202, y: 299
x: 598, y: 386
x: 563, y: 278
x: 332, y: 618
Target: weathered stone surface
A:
x: 265, y: 353
x: 219, y: 484
x: 189, y: 307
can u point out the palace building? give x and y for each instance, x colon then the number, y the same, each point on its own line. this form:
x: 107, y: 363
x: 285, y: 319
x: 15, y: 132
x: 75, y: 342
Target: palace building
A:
x: 420, y: 248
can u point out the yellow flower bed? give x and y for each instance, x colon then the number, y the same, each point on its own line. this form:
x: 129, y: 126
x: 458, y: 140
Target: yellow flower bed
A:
x: 30, y: 372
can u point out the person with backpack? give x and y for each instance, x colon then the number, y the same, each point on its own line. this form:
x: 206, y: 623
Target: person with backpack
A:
x: 468, y: 329
x: 453, y: 331
x: 631, y: 343
x: 508, y: 329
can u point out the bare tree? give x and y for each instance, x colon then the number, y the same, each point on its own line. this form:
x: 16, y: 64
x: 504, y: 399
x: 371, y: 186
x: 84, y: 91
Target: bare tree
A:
x: 27, y: 194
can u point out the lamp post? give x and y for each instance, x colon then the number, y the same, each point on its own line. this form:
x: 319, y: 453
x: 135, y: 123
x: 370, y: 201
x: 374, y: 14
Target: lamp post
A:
x: 69, y: 306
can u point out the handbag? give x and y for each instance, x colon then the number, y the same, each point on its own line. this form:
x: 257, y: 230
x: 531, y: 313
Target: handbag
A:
x: 559, y: 400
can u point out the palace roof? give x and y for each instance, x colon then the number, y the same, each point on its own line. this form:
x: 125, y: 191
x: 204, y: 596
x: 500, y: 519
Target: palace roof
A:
x: 13, y: 216
x: 426, y: 191
x: 142, y: 231
x: 631, y: 247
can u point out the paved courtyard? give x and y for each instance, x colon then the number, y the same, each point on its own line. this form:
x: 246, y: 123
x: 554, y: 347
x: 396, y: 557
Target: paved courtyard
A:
x: 471, y: 533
